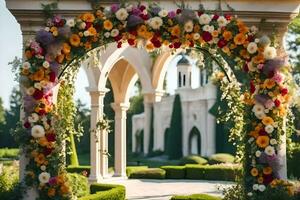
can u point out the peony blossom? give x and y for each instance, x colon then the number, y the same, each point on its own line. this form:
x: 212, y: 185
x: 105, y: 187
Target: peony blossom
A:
x: 252, y: 47
x: 269, y: 128
x: 122, y: 14
x: 204, y: 19
x: 155, y: 23
x: 222, y: 21
x: 189, y: 26
x: 26, y: 65
x: 270, y: 151
x: 71, y: 23
x: 114, y: 32
x: 33, y: 118
x: 270, y: 53
x: 163, y: 13
x: 44, y: 177
x: 38, y: 131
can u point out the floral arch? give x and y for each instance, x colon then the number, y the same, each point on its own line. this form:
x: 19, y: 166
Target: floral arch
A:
x: 65, y: 41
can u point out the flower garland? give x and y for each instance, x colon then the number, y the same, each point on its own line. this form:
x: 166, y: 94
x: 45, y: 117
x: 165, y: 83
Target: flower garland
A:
x: 63, y: 41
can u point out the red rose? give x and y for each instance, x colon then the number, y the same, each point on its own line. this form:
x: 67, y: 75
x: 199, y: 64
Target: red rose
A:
x: 222, y: 43
x: 133, y: 32
x: 207, y: 36
x: 142, y: 7
x: 200, y: 13
x: 131, y: 42
x: 144, y: 17
x: 277, y: 103
x: 38, y: 94
x: 284, y: 91
x: 51, y: 137
x: 119, y: 44
x: 42, y: 112
x: 48, y: 151
x: 178, y: 11
x: 245, y: 67
x: 52, y: 77
x: 118, y: 38
x: 177, y: 45
x: 262, y: 132
x: 268, y: 179
x: 27, y: 125
x: 227, y: 16
x: 215, y: 17
x: 88, y: 25
x: 192, y: 44
x: 252, y: 87
x: 171, y: 46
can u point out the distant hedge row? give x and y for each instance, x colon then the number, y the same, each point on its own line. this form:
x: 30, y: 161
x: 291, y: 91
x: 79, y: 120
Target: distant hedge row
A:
x: 105, y: 192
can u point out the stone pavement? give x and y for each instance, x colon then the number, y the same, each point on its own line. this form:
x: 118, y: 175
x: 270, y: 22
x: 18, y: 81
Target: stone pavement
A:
x: 154, y: 189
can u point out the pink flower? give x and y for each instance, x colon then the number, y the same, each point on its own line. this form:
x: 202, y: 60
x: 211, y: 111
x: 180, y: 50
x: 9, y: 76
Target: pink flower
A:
x: 260, y: 66
x: 278, y: 78
x: 269, y: 104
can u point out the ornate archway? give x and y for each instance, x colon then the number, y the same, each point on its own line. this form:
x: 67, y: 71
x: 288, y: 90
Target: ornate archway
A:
x: 63, y: 42
x: 194, y: 141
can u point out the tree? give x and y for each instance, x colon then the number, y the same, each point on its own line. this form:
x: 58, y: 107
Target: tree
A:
x: 2, y: 112
x: 174, y: 148
x: 294, y: 43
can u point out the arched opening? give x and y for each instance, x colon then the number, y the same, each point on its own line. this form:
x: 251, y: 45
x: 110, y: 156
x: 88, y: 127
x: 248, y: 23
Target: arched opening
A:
x: 195, y: 142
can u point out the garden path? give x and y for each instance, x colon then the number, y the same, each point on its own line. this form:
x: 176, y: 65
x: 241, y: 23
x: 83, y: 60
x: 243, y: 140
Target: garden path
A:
x: 154, y: 189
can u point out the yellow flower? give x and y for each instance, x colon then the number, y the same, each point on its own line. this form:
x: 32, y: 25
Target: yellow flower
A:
x: 227, y: 35
x: 149, y: 46
x: 254, y: 172
x: 88, y: 17
x: 107, y: 25
x: 267, y: 170
x: 66, y: 48
x: 215, y: 33
x: 175, y: 31
x: 267, y: 121
x: 38, y: 76
x: 239, y: 39
x: 262, y: 141
x: 269, y: 83
x: 141, y: 31
x: 51, y: 192
x: 40, y: 159
x: 43, y: 141
x: 92, y: 31
x: 75, y: 40
x: 260, y: 179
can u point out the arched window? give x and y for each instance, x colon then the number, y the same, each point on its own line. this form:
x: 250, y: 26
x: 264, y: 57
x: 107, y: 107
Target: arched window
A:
x: 194, y: 142
x: 179, y: 79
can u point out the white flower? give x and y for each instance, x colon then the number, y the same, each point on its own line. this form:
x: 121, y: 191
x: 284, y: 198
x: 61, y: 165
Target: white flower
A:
x: 211, y: 29
x: 188, y: 26
x: 251, y: 140
x: 255, y: 187
x: 260, y: 115
x: 250, y: 194
x: 44, y: 83
x: 256, y: 40
x: 33, y: 118
x: 129, y: 8
x: 222, y: 21
x: 206, y: 28
x: 44, y: 177
x: 107, y: 34
x: 252, y: 47
x: 26, y: 65
x: 204, y: 19
x: 38, y: 85
x: 155, y: 23
x: 122, y: 14
x: 261, y: 188
x: 30, y: 91
x: 71, y: 23
x: 251, y: 67
x: 114, y: 32
x: 257, y: 108
x: 82, y: 25
x: 47, y: 29
x: 257, y: 153
x: 270, y: 53
x: 163, y: 13
x: 254, y: 29
x: 145, y: 12
x: 43, y: 167
x: 86, y: 33
x: 273, y: 141
x: 46, y: 64
x: 270, y: 151
x: 269, y: 128
x: 196, y: 36
x: 38, y: 131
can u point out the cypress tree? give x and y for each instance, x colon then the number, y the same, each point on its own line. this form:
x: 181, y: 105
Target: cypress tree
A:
x: 174, y: 148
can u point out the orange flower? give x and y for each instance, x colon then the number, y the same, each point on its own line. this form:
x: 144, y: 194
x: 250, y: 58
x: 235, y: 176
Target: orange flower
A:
x: 75, y: 40
x: 267, y: 121
x: 40, y: 159
x: 28, y: 54
x: 87, y: 45
x: 197, y: 28
x: 267, y: 170
x: 66, y: 48
x: 43, y: 141
x: 244, y: 53
x: 38, y: 76
x: 260, y: 179
x: 149, y: 46
x: 215, y: 33
x: 227, y: 35
x: 141, y: 31
x: 239, y: 39
x: 64, y: 189
x: 243, y: 29
x: 254, y: 134
x: 107, y: 25
x: 60, y: 179
x: 262, y: 141
x: 92, y: 31
x: 269, y: 83
x: 60, y: 58
x: 25, y: 71
x: 254, y: 172
x: 88, y: 17
x: 259, y: 59
x: 51, y: 192
x: 175, y: 31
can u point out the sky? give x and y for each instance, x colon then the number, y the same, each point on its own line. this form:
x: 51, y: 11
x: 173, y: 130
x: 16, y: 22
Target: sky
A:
x: 11, y: 46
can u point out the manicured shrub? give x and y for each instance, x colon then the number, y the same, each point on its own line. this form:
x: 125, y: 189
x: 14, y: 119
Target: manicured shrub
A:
x: 9, y: 187
x: 9, y: 153
x: 174, y: 172
x: 106, y: 192
x: 151, y: 173
x: 193, y: 159
x: 213, y: 172
x: 84, y: 170
x: 293, y: 163
x: 196, y: 197
x: 79, y: 183
x: 221, y: 158
x: 133, y: 169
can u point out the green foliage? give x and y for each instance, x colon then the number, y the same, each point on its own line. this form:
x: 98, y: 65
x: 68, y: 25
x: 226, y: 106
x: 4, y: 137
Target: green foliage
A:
x: 133, y: 169
x: 79, y: 184
x: 9, y: 153
x: 174, y: 148
x: 192, y: 159
x: 212, y: 172
x: 155, y: 153
x: 235, y: 192
x: 221, y: 158
x: 174, y: 172
x: 9, y: 186
x: 85, y: 170
x: 196, y: 197
x: 105, y: 192
x: 150, y: 173
x: 2, y: 112
x: 293, y: 163
x: 294, y: 43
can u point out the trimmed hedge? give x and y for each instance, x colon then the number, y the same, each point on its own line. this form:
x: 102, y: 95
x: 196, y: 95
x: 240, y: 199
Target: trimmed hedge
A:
x: 174, y: 172
x: 6, y: 153
x: 133, y: 169
x: 293, y: 163
x: 79, y: 169
x: 196, y: 197
x: 192, y: 159
x: 79, y: 184
x: 213, y: 172
x: 106, y: 192
x: 221, y: 158
x: 150, y: 173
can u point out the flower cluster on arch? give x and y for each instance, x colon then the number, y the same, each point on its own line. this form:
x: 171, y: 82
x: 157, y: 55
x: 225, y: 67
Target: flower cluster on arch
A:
x: 152, y: 27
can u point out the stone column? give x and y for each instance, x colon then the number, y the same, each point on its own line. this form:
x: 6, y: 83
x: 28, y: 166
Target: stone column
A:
x: 98, y: 141
x: 120, y: 138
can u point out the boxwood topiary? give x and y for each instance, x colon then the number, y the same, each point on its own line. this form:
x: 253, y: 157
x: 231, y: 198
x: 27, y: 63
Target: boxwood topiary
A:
x: 221, y: 158
x: 106, y: 192
x: 79, y: 184
x: 196, y: 197
x: 174, y: 172
x: 151, y: 173
x: 193, y: 159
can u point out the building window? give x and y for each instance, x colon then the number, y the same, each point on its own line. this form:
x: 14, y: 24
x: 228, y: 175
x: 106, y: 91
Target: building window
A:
x: 183, y: 80
x: 179, y: 79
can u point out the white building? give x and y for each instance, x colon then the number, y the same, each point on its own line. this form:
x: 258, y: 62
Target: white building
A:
x: 198, y: 125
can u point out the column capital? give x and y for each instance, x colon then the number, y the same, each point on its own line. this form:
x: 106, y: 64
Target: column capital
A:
x: 154, y: 96
x: 120, y: 106
x: 95, y: 91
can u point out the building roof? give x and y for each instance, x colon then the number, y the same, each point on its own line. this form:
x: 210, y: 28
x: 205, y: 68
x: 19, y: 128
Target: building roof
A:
x: 183, y: 61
